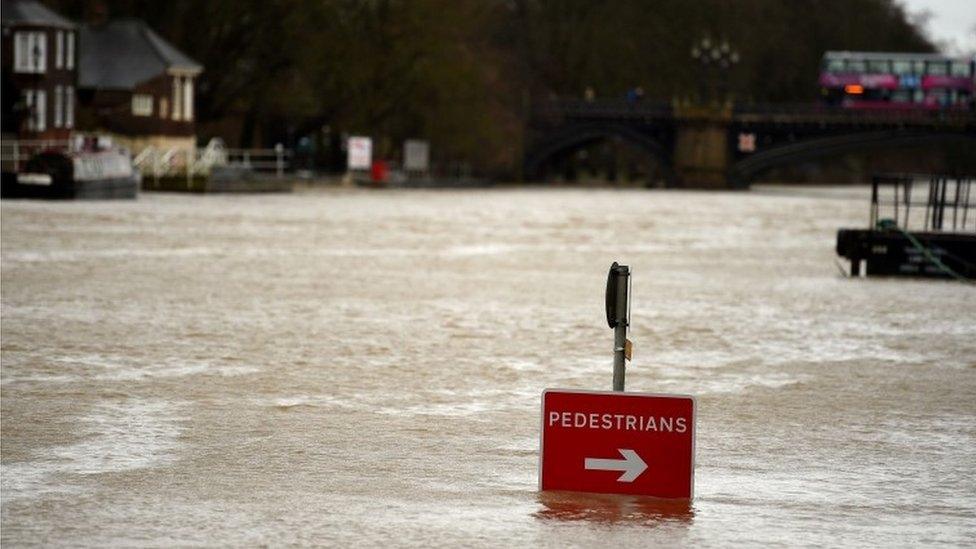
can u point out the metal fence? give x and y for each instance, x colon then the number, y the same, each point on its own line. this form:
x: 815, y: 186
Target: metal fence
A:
x: 158, y: 161
x: 748, y: 111
x: 835, y: 114
x: 602, y: 108
x: 178, y: 161
x: 932, y: 203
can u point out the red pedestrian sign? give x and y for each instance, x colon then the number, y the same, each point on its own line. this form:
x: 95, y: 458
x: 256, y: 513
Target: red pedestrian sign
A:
x: 618, y: 443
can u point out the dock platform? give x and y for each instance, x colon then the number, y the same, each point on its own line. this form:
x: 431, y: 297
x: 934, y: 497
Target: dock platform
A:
x: 938, y: 242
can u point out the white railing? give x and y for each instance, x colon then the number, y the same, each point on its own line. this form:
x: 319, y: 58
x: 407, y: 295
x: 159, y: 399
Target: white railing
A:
x: 214, y: 154
x: 14, y: 153
x: 143, y: 156
x: 159, y: 162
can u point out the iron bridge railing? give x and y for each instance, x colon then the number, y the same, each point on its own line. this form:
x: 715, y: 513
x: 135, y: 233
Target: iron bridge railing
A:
x: 606, y: 109
x: 927, y: 203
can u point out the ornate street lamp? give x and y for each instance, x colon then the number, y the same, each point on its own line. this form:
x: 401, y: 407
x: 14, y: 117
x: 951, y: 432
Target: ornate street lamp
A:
x: 714, y: 62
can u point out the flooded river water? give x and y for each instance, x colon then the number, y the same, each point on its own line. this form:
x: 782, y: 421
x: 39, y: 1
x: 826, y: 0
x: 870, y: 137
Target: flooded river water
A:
x: 365, y: 368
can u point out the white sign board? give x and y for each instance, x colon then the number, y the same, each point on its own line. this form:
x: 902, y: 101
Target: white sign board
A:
x: 416, y: 155
x: 747, y: 142
x: 360, y: 153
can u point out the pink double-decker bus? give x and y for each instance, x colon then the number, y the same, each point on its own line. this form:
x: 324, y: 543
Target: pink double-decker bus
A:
x: 877, y: 80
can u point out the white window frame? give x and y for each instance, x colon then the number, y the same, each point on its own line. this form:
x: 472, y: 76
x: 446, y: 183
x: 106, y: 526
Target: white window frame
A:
x: 69, y: 56
x: 69, y: 107
x: 24, y: 44
x: 29, y: 101
x: 40, y: 110
x: 59, y: 50
x: 187, y: 99
x: 22, y: 52
x: 177, y: 106
x: 142, y: 104
x: 40, y: 42
x: 58, y: 121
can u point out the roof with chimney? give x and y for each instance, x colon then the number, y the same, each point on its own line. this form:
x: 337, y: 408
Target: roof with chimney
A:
x: 30, y: 12
x: 124, y: 53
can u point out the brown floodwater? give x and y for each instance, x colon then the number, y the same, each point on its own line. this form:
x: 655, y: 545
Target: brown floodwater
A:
x: 351, y: 367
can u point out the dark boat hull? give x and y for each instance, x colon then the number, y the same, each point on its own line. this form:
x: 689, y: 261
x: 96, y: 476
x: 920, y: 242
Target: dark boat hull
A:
x: 66, y: 190
x: 65, y: 175
x: 889, y: 252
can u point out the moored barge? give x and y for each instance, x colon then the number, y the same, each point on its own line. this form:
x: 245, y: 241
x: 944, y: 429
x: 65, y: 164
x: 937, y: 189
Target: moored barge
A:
x: 85, y: 169
x: 920, y: 226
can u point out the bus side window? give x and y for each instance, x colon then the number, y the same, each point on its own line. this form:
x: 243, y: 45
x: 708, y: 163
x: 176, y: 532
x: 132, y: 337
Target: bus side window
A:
x: 918, y: 67
x: 902, y: 67
x: 936, y: 68
x: 959, y: 68
x: 878, y: 67
x: 835, y: 65
x: 855, y: 66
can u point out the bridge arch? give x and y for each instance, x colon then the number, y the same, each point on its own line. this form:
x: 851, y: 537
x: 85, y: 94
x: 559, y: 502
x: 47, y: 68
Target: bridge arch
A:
x: 575, y: 136
x: 744, y: 171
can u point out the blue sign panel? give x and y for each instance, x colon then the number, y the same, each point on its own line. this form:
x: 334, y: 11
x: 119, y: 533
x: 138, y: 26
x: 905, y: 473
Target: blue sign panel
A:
x: 910, y: 81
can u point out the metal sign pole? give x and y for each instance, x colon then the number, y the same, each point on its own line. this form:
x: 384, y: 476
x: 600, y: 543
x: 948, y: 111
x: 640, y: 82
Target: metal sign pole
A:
x: 617, y: 299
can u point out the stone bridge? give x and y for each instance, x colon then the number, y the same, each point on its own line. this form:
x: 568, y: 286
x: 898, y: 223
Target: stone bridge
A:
x: 727, y: 147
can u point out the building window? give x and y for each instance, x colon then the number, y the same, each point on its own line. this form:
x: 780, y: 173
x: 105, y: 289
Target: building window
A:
x: 59, y: 50
x: 69, y: 107
x: 41, y: 110
x: 188, y: 99
x: 142, y: 104
x: 69, y: 56
x: 29, y: 101
x: 163, y: 108
x: 37, y: 103
x: 58, y: 106
x: 21, y: 49
x: 30, y: 52
x: 177, y: 99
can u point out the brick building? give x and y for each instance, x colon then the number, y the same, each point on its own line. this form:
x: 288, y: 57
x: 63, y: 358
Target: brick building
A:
x: 39, y: 57
x: 116, y: 77
x: 135, y: 85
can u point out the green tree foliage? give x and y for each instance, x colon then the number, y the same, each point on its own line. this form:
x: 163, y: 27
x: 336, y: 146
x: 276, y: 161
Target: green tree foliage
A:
x: 569, y: 45
x: 462, y: 72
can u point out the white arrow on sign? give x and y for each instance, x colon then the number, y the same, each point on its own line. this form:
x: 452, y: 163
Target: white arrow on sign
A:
x: 632, y: 465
